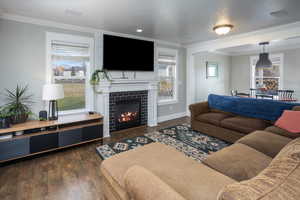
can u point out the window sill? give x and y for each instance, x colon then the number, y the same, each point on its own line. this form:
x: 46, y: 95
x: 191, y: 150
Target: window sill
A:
x: 71, y: 112
x: 167, y: 102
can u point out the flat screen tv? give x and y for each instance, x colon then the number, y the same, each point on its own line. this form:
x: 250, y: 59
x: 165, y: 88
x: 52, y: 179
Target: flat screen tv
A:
x: 127, y: 54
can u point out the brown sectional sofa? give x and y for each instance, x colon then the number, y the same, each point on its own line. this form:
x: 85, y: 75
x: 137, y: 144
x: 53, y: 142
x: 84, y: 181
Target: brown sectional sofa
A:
x: 262, y: 164
x: 259, y: 166
x: 228, y: 126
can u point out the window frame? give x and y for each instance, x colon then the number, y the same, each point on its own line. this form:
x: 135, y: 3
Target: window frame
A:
x: 174, y: 52
x: 67, y: 38
x: 252, y: 69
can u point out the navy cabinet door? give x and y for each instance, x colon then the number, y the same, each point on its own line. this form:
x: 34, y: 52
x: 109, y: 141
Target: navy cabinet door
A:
x: 92, y: 132
x: 14, y: 148
x: 70, y: 137
x: 43, y: 142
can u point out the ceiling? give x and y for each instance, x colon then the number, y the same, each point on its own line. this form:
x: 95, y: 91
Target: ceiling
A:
x: 275, y: 45
x: 180, y: 21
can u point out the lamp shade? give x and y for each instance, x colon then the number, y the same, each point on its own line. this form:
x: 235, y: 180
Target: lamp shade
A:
x: 53, y: 92
x: 264, y: 61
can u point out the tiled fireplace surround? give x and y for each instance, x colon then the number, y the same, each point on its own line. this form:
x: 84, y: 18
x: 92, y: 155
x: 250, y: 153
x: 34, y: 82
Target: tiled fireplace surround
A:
x: 127, y: 89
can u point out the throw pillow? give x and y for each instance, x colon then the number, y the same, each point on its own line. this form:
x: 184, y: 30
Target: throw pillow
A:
x: 290, y: 121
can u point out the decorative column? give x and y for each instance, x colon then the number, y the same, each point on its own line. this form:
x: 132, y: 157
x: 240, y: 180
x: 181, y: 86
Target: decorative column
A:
x: 103, y: 105
x: 152, y: 103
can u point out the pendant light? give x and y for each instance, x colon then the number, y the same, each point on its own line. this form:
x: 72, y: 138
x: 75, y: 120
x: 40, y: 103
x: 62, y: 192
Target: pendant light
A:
x: 264, y: 61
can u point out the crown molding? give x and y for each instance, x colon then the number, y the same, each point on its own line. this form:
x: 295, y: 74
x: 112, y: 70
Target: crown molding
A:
x: 83, y: 29
x: 254, y: 37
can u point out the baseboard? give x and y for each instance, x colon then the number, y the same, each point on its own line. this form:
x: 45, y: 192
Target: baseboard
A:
x: 172, y: 116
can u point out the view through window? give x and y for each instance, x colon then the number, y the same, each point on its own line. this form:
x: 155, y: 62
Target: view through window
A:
x: 167, y: 63
x: 69, y: 67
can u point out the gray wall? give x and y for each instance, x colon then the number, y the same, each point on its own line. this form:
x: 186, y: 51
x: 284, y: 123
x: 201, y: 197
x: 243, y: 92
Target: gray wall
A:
x: 22, y: 61
x: 291, y: 71
x: 240, y: 73
x: 219, y: 85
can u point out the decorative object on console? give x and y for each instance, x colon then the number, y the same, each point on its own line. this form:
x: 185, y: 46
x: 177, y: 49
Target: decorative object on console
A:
x: 4, y: 119
x: 212, y: 70
x: 264, y: 61
x: 51, y: 93
x: 18, y: 104
x: 43, y: 115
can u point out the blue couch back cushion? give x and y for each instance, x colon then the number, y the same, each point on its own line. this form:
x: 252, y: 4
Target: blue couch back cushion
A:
x: 249, y: 107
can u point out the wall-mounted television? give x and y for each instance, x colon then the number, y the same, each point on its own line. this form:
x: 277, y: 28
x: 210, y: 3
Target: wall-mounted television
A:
x: 127, y: 54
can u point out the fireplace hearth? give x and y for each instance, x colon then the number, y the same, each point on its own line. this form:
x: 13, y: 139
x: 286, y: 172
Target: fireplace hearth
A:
x: 128, y: 109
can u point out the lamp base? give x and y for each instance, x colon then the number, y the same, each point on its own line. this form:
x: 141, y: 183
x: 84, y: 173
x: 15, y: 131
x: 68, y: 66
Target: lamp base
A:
x: 53, y: 110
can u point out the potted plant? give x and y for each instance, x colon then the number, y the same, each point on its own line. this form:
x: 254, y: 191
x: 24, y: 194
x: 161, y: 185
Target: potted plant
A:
x: 4, y: 119
x: 96, y: 77
x: 18, y: 104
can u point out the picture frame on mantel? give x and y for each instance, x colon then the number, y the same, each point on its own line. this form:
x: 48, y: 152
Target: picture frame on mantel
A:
x: 212, y: 69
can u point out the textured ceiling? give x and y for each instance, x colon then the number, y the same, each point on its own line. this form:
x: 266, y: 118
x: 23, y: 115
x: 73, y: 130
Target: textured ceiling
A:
x: 181, y: 21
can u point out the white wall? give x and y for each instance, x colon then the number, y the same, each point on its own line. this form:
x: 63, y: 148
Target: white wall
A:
x: 291, y: 71
x: 219, y: 85
x: 22, y: 61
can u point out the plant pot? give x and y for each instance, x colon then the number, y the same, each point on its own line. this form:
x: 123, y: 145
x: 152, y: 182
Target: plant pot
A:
x: 17, y: 119
x: 4, y: 123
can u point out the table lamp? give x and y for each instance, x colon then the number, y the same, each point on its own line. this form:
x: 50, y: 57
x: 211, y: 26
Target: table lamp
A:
x: 51, y: 93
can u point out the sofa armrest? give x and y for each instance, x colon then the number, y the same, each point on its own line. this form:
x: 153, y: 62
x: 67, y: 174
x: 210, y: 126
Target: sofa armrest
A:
x: 142, y: 184
x: 296, y: 108
x: 199, y: 108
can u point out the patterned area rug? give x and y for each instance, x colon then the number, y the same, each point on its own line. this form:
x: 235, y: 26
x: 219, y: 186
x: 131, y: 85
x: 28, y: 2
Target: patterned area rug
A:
x: 192, y: 143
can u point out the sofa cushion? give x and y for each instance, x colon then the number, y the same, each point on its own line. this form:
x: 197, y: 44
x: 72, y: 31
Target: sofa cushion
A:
x: 265, y: 142
x: 214, y: 118
x: 282, y: 132
x: 153, y: 188
x: 244, y: 124
x: 238, y: 161
x: 280, y: 180
x: 187, y: 177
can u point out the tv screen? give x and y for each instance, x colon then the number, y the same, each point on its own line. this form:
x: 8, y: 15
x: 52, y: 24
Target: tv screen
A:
x: 126, y: 54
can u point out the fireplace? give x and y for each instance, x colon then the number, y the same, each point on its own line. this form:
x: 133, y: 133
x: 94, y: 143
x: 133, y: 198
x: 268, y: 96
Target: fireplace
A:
x: 127, y: 113
x: 127, y: 109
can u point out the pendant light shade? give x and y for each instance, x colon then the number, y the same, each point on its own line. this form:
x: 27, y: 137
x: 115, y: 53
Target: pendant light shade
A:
x: 264, y: 61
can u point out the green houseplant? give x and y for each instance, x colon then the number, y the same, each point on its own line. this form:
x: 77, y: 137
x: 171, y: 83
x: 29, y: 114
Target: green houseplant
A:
x: 18, y: 104
x: 96, y: 77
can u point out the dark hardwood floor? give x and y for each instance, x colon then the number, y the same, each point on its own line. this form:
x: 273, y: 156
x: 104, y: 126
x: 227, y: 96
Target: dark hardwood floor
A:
x: 68, y: 174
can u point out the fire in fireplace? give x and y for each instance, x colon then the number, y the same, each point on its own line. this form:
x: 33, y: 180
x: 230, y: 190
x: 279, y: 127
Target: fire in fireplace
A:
x: 127, y: 116
x: 127, y: 113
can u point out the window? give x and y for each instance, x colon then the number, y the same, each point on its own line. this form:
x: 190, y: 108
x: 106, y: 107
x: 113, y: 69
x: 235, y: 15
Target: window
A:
x: 167, y: 72
x: 271, y: 79
x: 69, y: 63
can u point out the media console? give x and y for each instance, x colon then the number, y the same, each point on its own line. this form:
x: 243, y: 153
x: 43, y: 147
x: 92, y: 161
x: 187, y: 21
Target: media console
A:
x: 44, y: 136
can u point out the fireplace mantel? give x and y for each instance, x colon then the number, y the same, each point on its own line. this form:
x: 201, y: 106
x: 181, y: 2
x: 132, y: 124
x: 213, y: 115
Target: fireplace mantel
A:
x: 106, y: 87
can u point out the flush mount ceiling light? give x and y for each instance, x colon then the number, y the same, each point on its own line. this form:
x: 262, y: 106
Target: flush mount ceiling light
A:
x: 139, y: 30
x: 223, y: 29
x: 264, y: 61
